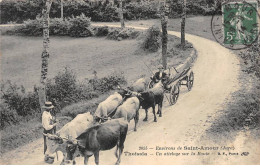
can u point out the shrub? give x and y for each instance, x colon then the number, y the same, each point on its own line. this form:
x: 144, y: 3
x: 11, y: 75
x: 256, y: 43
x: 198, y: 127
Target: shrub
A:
x: 64, y: 89
x: 59, y: 26
x: 17, y: 99
x: 8, y: 116
x: 120, y: 34
x: 151, y: 40
x: 80, y: 26
x: 144, y: 10
x: 76, y: 27
x: 101, y: 31
x: 106, y: 84
x: 29, y: 28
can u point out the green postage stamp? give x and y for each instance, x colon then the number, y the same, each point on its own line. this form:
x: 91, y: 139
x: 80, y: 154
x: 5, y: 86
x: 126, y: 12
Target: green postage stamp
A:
x: 240, y: 22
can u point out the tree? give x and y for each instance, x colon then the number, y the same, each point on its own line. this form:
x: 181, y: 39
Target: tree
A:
x: 183, y: 17
x: 164, y: 22
x: 120, y: 12
x: 61, y: 9
x: 45, y: 53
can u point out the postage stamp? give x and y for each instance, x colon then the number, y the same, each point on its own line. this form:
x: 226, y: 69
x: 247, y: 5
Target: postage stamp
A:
x: 237, y: 27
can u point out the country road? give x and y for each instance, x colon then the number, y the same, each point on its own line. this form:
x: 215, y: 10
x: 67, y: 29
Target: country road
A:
x: 216, y: 77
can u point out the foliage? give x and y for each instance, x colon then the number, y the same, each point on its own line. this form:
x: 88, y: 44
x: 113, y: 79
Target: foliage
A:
x: 18, y: 11
x: 80, y: 26
x: 108, y: 83
x: 251, y: 57
x: 75, y: 26
x: 17, y: 99
x: 152, y: 38
x: 120, y: 34
x: 101, y: 31
x: 62, y: 90
x: 144, y: 10
x: 59, y: 26
x: 8, y: 116
x: 29, y: 28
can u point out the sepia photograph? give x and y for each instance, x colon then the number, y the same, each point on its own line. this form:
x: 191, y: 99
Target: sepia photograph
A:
x: 129, y: 82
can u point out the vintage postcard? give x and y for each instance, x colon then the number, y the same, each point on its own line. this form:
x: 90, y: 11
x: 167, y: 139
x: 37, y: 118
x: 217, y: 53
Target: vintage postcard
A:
x: 130, y: 82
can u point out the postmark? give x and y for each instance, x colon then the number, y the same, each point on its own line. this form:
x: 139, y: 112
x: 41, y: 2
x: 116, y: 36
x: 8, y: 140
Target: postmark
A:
x: 238, y: 25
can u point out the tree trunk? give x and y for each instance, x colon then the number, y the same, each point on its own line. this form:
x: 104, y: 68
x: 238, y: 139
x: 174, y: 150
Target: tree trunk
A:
x: 61, y: 9
x: 183, y: 23
x: 45, y: 52
x: 120, y: 12
x: 164, y: 22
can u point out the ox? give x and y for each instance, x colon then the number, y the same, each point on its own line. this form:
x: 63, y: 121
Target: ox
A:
x: 129, y: 110
x: 151, y: 98
x: 139, y: 86
x: 104, y: 136
x: 72, y: 129
x: 106, y: 108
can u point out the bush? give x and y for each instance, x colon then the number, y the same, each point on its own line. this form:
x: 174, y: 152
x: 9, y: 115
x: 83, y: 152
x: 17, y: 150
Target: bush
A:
x: 76, y: 27
x: 59, y: 26
x: 106, y: 84
x: 120, y: 34
x: 101, y: 31
x: 29, y: 28
x: 63, y: 90
x: 152, y: 39
x: 8, y: 116
x: 144, y: 10
x: 80, y: 26
x: 17, y: 99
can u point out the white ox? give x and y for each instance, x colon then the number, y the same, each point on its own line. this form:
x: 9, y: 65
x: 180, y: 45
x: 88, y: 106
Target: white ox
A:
x: 70, y: 131
x: 108, y: 106
x: 129, y: 110
x: 139, y: 86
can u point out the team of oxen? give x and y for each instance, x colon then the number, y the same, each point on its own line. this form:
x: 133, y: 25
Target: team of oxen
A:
x: 87, y: 134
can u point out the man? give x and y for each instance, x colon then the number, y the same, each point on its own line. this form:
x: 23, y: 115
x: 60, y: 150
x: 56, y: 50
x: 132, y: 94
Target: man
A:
x: 160, y: 75
x: 48, y: 121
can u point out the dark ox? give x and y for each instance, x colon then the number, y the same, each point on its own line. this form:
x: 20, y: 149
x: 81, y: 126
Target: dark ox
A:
x: 100, y: 137
x: 152, y: 97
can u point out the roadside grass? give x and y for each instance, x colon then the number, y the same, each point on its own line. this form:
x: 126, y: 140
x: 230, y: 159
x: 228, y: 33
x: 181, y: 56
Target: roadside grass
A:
x: 240, y: 114
x: 83, y: 56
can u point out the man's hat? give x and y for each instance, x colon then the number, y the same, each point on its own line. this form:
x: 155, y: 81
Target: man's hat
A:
x: 48, y: 105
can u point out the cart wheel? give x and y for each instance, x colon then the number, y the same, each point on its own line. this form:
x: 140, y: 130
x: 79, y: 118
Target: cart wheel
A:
x: 174, y: 94
x: 151, y: 84
x: 190, y: 81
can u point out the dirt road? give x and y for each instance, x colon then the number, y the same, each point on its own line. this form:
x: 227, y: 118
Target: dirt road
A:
x: 216, y: 72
